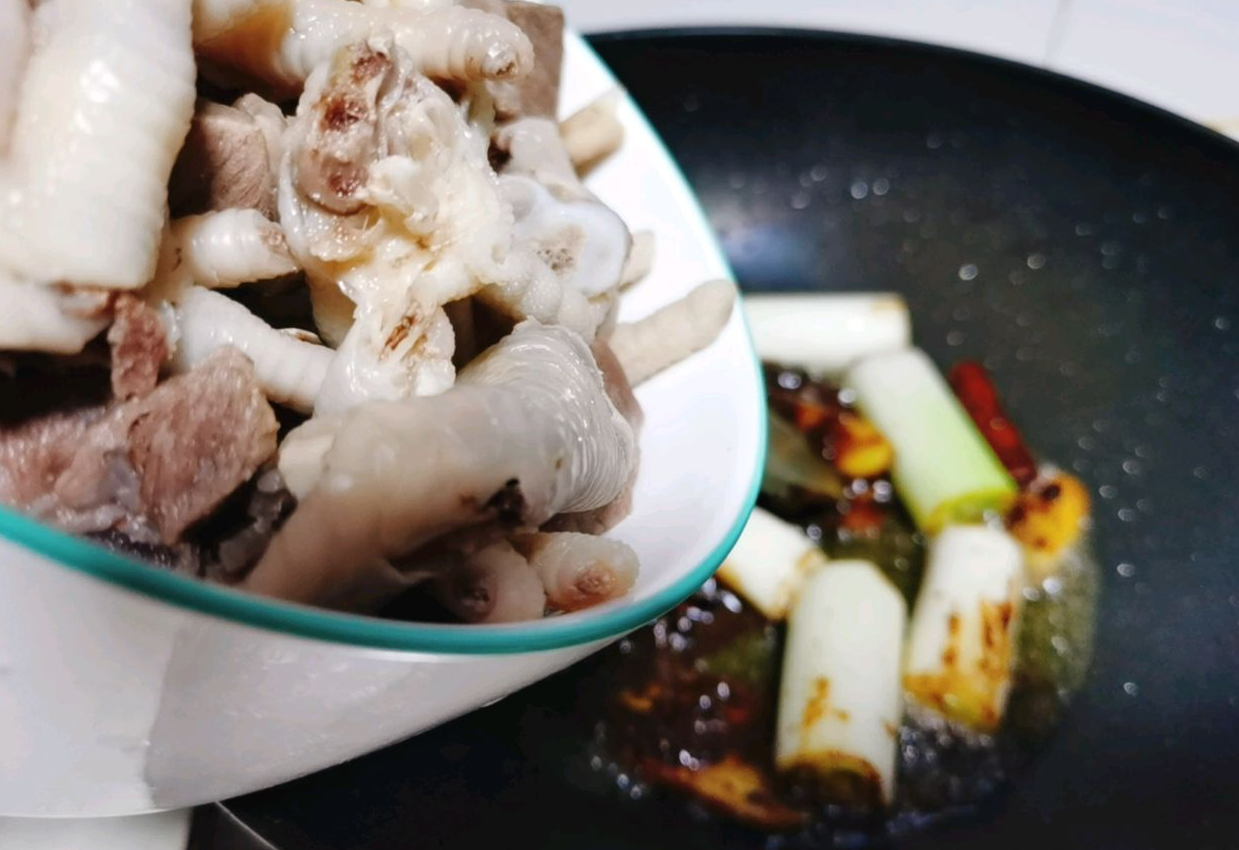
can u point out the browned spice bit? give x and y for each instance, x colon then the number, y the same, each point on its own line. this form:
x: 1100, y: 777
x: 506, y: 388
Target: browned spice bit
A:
x: 342, y: 111
x: 735, y: 788
x: 1048, y: 518
x: 815, y: 708
x: 399, y: 333
x: 369, y: 65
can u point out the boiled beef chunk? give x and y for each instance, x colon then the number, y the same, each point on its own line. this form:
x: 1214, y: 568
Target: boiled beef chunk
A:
x: 223, y: 165
x: 149, y: 466
x: 139, y: 347
x: 199, y: 437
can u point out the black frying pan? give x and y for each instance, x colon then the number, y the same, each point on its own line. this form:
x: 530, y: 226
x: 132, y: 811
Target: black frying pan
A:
x: 1087, y: 247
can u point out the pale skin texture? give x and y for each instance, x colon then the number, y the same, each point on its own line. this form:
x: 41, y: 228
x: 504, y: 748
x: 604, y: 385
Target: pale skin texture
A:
x: 640, y: 258
x: 495, y: 585
x: 289, y: 370
x: 84, y: 184
x: 527, y: 433
x: 579, y: 570
x: 52, y: 319
x: 594, y: 132
x: 669, y: 335
x: 577, y: 235
x: 221, y: 250
x: 393, y: 213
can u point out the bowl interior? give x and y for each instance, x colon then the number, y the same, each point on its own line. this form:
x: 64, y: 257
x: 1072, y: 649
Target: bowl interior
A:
x: 702, y: 446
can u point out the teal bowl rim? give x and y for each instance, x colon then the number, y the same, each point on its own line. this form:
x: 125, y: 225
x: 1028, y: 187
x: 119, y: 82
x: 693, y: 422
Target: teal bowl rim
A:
x: 372, y: 632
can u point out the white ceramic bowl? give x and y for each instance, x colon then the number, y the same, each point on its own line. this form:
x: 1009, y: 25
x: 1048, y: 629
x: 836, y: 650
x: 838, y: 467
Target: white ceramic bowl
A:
x: 124, y: 689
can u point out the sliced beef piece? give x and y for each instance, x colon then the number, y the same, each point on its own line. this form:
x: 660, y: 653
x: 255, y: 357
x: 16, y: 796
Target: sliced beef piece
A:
x: 139, y: 347
x: 34, y: 454
x: 537, y: 93
x: 224, y: 164
x: 150, y: 466
x: 197, y: 438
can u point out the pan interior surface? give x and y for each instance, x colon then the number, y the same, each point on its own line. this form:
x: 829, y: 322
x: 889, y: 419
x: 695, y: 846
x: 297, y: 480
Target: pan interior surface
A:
x: 1084, y: 247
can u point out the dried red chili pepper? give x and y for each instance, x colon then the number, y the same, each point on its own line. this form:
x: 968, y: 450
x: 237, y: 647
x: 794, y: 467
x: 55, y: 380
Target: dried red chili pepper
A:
x: 975, y: 391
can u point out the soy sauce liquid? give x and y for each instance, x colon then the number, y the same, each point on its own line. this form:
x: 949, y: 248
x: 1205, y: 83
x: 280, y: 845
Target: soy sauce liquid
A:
x: 688, y: 703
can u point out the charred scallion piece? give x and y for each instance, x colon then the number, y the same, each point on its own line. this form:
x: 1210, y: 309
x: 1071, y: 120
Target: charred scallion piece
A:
x: 840, y: 701
x: 961, y: 640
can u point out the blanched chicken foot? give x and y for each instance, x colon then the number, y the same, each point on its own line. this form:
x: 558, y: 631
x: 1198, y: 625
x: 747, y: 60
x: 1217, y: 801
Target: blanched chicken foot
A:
x: 516, y: 580
x: 527, y: 432
x: 276, y: 44
x: 537, y: 92
x: 579, y: 570
x: 594, y: 132
x: 290, y: 370
x: 602, y: 519
x: 669, y: 335
x: 580, y: 240
x: 388, y: 201
x: 105, y: 104
x: 220, y: 250
x: 495, y: 585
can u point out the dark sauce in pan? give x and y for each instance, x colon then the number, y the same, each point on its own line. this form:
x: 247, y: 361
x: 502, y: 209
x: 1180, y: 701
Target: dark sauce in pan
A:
x: 687, y: 705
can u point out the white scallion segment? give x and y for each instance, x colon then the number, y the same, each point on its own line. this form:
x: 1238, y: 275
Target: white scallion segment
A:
x: 825, y: 333
x: 944, y: 470
x: 961, y: 641
x: 840, y: 701
x: 768, y: 561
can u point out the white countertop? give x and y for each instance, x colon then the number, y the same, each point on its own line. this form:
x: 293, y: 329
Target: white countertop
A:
x: 1182, y: 56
